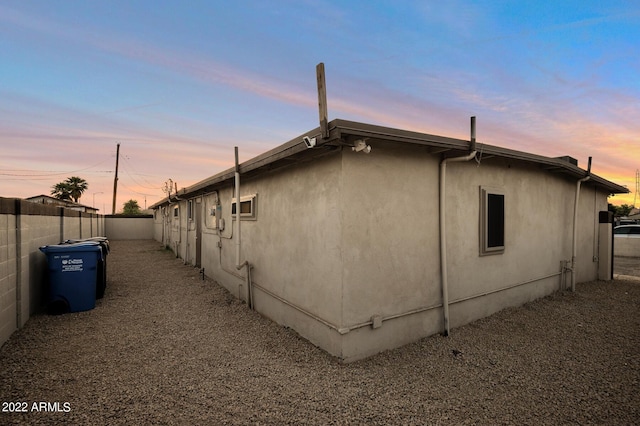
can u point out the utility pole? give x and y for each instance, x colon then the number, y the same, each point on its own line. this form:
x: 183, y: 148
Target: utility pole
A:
x: 115, y: 181
x: 635, y: 195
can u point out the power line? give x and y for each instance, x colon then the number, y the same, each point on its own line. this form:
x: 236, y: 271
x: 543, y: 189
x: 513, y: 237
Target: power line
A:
x: 129, y: 164
x: 49, y: 173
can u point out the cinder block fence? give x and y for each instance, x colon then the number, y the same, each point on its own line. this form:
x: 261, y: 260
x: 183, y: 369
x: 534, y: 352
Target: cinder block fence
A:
x: 26, y: 226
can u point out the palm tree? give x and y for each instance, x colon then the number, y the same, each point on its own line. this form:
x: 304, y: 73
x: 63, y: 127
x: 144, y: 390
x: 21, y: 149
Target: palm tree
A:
x: 61, y: 191
x: 77, y: 186
x: 70, y: 189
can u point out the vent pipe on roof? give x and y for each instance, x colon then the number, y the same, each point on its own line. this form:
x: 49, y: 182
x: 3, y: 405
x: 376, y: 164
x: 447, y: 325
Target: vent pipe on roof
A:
x: 574, y: 267
x: 472, y: 145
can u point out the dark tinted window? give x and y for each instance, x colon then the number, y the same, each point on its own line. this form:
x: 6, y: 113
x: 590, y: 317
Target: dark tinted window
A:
x: 495, y: 220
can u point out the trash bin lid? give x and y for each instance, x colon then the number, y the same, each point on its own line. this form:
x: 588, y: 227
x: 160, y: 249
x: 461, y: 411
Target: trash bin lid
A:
x: 81, y: 240
x: 102, y: 240
x: 73, y: 247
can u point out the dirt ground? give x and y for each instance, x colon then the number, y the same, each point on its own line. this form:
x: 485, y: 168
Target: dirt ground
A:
x: 166, y: 347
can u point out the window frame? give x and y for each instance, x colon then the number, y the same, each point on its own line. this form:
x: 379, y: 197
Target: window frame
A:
x: 252, y: 201
x: 488, y: 220
x: 190, y: 214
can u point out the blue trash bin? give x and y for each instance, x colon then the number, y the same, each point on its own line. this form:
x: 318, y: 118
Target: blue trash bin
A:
x: 73, y: 275
x: 101, y: 283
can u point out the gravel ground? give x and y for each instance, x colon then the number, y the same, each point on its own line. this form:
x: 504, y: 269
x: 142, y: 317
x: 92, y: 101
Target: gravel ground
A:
x: 164, y: 347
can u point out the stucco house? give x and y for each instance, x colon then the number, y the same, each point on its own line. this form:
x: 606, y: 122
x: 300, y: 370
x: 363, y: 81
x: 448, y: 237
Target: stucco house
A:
x: 374, y: 237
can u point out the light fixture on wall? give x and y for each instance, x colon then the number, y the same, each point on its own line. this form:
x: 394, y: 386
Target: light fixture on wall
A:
x: 309, y: 142
x: 361, y: 146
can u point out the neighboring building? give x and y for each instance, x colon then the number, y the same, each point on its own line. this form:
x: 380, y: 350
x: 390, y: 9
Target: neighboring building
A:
x: 45, y: 199
x: 345, y: 247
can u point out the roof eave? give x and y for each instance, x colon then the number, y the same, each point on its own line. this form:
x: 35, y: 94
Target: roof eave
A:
x: 339, y: 130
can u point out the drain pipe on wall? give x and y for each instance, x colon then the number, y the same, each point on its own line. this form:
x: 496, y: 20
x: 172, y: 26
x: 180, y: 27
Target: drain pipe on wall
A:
x: 443, y: 230
x: 237, y: 236
x: 574, y: 246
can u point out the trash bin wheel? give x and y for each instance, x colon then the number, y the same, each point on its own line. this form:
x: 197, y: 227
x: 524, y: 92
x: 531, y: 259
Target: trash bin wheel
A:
x: 100, y: 288
x: 58, y: 307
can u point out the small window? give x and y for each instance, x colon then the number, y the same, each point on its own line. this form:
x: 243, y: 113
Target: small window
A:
x: 190, y: 209
x: 176, y: 211
x: 491, y: 221
x: 247, y: 207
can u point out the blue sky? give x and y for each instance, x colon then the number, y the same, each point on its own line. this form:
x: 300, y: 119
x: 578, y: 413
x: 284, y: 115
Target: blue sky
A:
x: 179, y: 84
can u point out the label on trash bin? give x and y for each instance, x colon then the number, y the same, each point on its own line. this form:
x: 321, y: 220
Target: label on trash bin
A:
x: 71, y: 265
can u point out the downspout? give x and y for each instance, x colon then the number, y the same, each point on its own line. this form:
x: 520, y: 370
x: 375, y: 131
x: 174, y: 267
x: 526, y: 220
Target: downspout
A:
x: 237, y: 236
x: 443, y: 230
x: 574, y: 268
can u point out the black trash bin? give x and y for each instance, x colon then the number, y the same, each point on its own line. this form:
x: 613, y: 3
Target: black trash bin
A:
x: 101, y: 283
x: 73, y: 274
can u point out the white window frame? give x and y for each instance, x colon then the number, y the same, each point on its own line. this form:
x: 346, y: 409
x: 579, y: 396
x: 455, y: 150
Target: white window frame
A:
x: 252, y: 201
x: 190, y: 210
x: 485, y: 222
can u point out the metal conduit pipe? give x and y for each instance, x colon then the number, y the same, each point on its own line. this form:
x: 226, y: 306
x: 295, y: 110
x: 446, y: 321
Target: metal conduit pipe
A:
x: 237, y: 232
x: 302, y: 310
x: 443, y: 236
x: 574, y: 246
x: 443, y: 228
x: 462, y: 299
x: 237, y: 196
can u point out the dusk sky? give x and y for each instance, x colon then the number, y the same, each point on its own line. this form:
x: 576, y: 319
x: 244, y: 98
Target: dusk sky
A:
x: 180, y: 83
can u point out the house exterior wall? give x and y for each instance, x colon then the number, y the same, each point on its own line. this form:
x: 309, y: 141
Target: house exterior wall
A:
x: 295, y: 256
x: 160, y: 224
x: 390, y: 247
x: 345, y: 248
x: 191, y: 213
x: 392, y: 253
x: 538, y: 236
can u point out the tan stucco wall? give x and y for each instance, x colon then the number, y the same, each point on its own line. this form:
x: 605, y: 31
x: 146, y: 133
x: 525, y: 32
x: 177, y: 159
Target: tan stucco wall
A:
x: 538, y: 235
x: 295, y: 256
x: 351, y: 237
x: 390, y: 242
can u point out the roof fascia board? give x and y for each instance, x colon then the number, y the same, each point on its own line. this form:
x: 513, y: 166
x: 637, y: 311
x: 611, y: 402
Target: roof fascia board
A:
x: 367, y: 130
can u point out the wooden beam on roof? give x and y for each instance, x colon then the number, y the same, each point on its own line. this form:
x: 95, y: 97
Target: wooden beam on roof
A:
x: 322, y: 101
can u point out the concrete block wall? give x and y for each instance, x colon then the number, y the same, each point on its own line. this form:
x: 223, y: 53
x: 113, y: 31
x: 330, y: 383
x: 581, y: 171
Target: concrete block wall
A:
x: 8, y: 312
x: 24, y: 228
x: 129, y: 227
